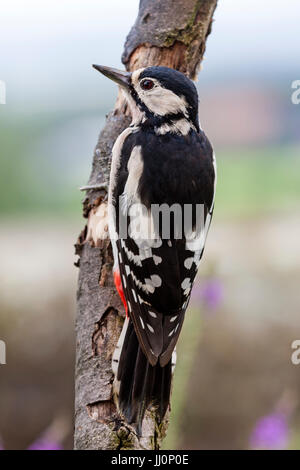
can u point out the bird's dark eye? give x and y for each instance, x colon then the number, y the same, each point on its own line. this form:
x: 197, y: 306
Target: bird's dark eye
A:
x: 147, y: 84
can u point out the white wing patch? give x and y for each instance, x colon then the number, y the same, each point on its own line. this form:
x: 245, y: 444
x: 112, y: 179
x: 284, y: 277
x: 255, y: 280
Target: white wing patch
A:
x: 157, y: 259
x: 152, y: 314
x: 150, y: 328
x: 148, y: 285
x: 153, y: 282
x: 135, y: 168
x: 136, y: 259
x: 188, y: 262
x: 134, y: 295
x: 186, y: 285
x: 142, y: 323
x: 115, y: 165
x: 127, y: 269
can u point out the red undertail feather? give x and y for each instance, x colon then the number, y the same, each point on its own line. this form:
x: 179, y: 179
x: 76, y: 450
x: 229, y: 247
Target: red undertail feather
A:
x: 119, y: 287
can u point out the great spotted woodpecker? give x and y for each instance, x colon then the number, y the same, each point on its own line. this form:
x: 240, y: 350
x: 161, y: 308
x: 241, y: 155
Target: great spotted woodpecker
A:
x: 163, y: 159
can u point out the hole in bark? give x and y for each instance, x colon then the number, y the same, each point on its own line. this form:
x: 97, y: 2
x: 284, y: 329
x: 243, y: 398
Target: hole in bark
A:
x: 106, y: 333
x: 102, y: 411
x: 146, y: 18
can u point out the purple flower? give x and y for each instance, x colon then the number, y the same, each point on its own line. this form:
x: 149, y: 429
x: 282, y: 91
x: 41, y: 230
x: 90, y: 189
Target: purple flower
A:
x: 271, y: 432
x: 43, y: 443
x: 210, y: 292
x: 51, y: 438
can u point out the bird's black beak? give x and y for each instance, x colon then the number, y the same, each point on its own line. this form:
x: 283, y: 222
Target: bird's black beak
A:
x: 121, y: 78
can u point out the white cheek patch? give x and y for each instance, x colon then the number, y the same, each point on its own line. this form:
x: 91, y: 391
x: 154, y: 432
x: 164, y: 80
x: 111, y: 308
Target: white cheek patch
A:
x: 159, y: 100
x: 162, y: 101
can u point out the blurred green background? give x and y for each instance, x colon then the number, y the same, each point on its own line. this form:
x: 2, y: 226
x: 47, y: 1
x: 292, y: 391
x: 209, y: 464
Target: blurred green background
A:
x: 235, y: 386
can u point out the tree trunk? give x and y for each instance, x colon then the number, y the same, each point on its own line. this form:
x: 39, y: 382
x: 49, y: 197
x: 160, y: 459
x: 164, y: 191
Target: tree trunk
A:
x: 171, y: 33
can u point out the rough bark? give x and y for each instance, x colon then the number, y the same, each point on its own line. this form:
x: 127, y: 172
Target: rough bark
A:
x: 171, y: 33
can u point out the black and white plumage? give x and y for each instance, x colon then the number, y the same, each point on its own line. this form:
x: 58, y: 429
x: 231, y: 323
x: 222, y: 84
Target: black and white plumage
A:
x: 163, y: 158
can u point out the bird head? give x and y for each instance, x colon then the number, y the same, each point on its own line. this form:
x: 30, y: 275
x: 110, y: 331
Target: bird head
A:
x: 157, y: 95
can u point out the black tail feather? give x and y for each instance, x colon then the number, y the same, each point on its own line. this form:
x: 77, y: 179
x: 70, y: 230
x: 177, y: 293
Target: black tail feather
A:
x: 162, y: 394
x: 140, y: 383
x: 126, y: 370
